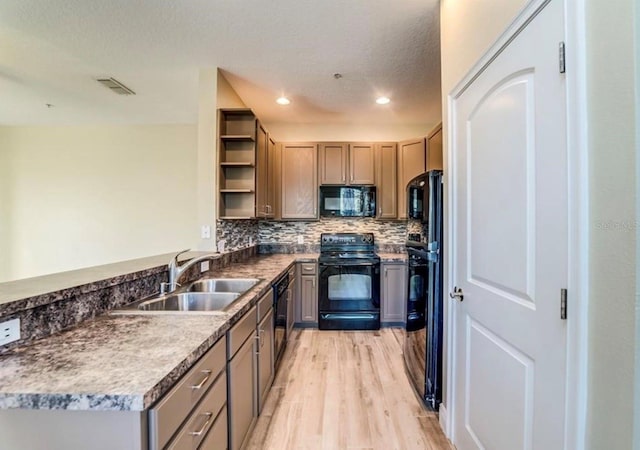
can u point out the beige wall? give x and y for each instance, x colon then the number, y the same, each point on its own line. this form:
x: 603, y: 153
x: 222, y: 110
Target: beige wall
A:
x: 5, y: 232
x: 468, y: 28
x: 88, y: 195
x: 611, y: 116
x: 287, y: 132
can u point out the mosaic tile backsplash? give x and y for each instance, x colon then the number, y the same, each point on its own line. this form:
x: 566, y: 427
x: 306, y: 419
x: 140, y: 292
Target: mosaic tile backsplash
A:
x: 237, y: 234
x: 388, y: 235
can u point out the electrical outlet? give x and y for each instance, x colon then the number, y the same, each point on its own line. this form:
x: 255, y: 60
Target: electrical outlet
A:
x: 205, y: 232
x: 204, y: 266
x: 300, y: 239
x: 9, y: 331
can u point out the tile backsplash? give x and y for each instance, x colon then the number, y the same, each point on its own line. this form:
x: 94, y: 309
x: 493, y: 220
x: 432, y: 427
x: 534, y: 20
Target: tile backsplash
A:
x: 237, y: 234
x: 385, y: 231
x: 277, y: 237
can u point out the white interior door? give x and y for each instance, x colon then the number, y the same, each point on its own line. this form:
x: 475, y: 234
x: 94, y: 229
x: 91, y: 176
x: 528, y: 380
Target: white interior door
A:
x: 509, y: 170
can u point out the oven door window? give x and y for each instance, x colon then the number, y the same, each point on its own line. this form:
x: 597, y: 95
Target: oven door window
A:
x: 349, y: 288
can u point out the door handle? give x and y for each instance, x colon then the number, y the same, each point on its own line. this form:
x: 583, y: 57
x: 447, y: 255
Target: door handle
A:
x: 457, y: 293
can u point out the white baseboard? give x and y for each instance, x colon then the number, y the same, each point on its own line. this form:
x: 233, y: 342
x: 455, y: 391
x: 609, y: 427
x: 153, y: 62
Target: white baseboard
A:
x: 443, y: 419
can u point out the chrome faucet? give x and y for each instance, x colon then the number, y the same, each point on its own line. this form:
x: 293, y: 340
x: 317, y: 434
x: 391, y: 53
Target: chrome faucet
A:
x: 175, y: 271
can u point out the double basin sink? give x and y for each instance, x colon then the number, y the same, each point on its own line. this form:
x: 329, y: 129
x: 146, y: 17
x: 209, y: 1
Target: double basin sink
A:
x: 206, y: 295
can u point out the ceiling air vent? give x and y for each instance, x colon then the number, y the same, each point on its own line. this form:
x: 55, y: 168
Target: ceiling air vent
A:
x: 116, y: 86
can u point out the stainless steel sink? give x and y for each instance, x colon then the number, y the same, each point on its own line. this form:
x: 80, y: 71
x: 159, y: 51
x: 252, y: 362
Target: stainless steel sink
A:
x: 190, y: 301
x: 209, y: 296
x: 240, y: 285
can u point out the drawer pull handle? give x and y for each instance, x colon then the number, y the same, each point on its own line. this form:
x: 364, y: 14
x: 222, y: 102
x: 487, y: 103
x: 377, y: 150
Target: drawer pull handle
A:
x: 308, y: 268
x: 208, y: 415
x: 204, y: 380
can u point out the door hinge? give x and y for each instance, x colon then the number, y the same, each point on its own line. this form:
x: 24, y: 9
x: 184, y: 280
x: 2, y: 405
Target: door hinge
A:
x: 563, y: 304
x: 561, y: 59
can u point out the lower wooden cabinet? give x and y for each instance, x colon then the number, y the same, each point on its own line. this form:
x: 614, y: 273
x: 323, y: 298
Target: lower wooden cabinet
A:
x: 182, y: 418
x: 393, y: 304
x: 307, y: 298
x: 265, y: 357
x: 241, y: 376
x: 250, y: 369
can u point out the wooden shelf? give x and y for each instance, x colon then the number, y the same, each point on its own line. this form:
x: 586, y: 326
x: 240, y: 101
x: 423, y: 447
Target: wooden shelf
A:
x: 237, y: 137
x: 237, y: 164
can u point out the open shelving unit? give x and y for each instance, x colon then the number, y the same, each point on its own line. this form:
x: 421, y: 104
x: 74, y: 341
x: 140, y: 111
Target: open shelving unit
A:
x: 237, y: 164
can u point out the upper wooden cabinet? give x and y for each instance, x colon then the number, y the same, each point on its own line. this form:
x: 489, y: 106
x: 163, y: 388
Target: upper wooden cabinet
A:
x: 343, y: 164
x: 434, y: 149
x: 299, y: 181
x: 411, y: 163
x: 262, y: 172
x: 387, y: 180
x: 333, y: 163
x: 273, y: 178
x: 237, y: 161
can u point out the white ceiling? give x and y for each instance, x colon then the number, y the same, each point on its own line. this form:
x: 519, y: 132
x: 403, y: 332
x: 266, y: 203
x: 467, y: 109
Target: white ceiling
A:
x: 51, y: 51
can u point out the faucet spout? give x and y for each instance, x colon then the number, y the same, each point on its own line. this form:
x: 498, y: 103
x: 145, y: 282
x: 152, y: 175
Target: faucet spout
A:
x: 175, y: 271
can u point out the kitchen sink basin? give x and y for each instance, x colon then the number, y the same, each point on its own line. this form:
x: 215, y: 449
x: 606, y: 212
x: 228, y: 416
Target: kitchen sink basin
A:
x: 206, y: 296
x: 190, y: 301
x: 240, y: 285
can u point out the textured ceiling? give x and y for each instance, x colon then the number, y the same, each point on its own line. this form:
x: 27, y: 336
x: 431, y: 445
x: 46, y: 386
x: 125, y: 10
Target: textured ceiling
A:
x: 51, y: 52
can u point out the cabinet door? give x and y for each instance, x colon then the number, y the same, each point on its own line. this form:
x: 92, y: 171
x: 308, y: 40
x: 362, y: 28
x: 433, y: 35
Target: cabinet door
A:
x: 434, y: 149
x: 394, y: 293
x: 262, y: 178
x: 299, y: 198
x: 242, y: 396
x: 333, y: 163
x: 265, y: 357
x: 411, y: 163
x: 273, y: 176
x: 387, y: 180
x: 362, y: 164
x: 308, y: 298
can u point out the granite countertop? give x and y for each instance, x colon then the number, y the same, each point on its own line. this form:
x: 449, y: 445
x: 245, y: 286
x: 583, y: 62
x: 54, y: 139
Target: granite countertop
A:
x: 37, y: 291
x: 125, y: 362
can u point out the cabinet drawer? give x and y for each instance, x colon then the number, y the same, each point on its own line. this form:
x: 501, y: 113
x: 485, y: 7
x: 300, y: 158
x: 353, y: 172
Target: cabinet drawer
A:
x: 241, y: 331
x: 203, y: 417
x: 167, y: 415
x: 307, y: 268
x: 217, y: 437
x: 265, y: 304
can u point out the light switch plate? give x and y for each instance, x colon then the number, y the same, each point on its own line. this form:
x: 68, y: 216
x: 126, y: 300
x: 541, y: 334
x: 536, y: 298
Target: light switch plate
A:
x: 9, y: 331
x: 205, y: 232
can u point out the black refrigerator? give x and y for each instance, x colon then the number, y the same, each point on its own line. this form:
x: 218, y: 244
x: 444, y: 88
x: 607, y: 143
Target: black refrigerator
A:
x: 423, y: 341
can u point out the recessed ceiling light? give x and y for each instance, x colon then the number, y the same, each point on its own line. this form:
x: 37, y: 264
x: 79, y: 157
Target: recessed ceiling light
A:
x: 283, y: 101
x: 383, y: 100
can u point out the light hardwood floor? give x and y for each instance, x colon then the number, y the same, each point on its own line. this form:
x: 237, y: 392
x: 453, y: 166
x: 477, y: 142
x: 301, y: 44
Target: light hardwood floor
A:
x: 345, y: 390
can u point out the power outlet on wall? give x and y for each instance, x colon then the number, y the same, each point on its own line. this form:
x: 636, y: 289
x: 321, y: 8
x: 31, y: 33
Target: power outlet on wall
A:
x: 9, y: 331
x: 300, y: 239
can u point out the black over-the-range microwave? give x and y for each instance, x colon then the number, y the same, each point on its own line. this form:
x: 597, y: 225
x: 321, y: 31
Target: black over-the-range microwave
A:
x: 347, y: 201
